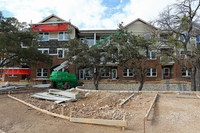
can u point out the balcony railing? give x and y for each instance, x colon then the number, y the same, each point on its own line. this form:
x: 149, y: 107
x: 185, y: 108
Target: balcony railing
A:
x: 167, y: 60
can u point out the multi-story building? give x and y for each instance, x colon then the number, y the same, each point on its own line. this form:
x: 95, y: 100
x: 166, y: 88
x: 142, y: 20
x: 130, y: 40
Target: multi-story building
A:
x: 56, y: 32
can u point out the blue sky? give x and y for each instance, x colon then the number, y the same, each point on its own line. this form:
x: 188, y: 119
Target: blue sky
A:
x: 85, y: 14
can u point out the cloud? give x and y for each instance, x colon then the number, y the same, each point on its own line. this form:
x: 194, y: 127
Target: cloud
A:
x: 85, y: 14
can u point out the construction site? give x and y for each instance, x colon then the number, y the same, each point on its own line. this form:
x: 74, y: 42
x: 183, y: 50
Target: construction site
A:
x: 87, y: 110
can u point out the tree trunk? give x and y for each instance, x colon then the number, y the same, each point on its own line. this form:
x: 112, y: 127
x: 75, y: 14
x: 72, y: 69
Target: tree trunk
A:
x: 198, y: 79
x: 141, y: 84
x: 193, y: 79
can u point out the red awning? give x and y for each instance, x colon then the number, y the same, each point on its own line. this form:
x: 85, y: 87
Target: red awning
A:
x: 45, y: 28
x: 15, y: 71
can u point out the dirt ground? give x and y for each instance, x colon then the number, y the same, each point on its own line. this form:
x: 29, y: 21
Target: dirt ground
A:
x: 169, y: 115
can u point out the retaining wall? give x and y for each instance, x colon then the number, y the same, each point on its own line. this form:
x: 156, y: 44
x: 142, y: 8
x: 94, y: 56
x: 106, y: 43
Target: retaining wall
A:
x: 146, y: 87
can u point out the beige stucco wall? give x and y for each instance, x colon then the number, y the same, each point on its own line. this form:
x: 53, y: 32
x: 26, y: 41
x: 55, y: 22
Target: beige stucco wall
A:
x: 139, y: 28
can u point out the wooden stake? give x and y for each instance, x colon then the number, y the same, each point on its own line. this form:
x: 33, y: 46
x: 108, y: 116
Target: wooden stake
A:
x: 123, y: 120
x: 62, y: 110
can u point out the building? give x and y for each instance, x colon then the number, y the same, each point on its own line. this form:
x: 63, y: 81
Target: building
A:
x: 55, y: 32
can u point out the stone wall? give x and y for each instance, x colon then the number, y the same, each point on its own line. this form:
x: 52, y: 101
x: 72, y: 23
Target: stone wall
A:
x: 146, y: 87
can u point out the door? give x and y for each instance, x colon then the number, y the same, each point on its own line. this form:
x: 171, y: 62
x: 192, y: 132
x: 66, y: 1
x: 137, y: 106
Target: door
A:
x: 81, y: 74
x: 166, y: 72
x: 114, y: 74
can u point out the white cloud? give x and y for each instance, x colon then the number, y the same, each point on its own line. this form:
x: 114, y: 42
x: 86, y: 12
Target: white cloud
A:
x: 85, y: 14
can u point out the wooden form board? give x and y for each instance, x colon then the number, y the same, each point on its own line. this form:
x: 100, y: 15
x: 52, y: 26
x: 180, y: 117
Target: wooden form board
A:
x: 123, y: 102
x: 118, y: 123
x: 149, y: 110
x: 41, y: 110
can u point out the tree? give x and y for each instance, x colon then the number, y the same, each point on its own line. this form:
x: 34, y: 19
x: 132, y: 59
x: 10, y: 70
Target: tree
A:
x: 181, y: 22
x: 83, y: 56
x: 131, y: 52
x: 18, y: 44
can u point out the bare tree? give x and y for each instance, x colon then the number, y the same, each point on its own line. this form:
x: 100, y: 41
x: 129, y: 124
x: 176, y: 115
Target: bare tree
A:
x: 181, y: 22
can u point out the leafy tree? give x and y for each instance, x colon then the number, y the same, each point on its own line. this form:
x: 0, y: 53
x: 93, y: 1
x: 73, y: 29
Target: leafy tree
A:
x: 131, y: 52
x: 180, y: 22
x: 84, y: 56
x: 18, y: 44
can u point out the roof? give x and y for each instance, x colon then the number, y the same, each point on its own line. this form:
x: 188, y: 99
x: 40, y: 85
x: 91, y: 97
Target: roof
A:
x: 61, y: 21
x: 139, y: 19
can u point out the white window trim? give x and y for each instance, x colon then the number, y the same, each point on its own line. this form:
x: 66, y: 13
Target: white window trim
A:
x: 63, y: 52
x: 90, y: 74
x: 104, y: 76
x: 12, y: 75
x: 151, y: 72
x: 42, y: 72
x: 64, y: 32
x: 151, y: 55
x: 43, y: 36
x: 187, y: 74
x: 42, y: 49
x: 127, y: 70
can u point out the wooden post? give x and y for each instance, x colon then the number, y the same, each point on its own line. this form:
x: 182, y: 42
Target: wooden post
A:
x: 144, y: 123
x: 123, y: 120
x: 62, y: 110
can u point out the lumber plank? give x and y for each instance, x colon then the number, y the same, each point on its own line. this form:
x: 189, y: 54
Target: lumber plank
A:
x: 149, y: 110
x: 123, y: 102
x: 39, y: 109
x: 118, y: 123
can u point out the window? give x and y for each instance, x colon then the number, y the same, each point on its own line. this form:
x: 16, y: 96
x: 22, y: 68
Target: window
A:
x: 42, y: 72
x: 198, y: 41
x: 89, y: 40
x: 105, y: 73
x: 152, y: 55
x: 63, y: 36
x: 44, y: 50
x: 12, y: 75
x: 186, y: 72
x: 127, y: 73
x: 61, y: 52
x: 88, y: 73
x: 151, y: 72
x: 44, y: 36
x: 183, y: 55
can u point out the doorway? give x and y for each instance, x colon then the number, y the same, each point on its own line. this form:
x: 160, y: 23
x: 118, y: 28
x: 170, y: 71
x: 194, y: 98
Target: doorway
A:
x: 114, y: 74
x: 166, y: 72
x: 81, y: 74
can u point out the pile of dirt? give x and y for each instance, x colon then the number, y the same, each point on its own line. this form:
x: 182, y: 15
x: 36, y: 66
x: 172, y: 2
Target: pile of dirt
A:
x: 96, y: 105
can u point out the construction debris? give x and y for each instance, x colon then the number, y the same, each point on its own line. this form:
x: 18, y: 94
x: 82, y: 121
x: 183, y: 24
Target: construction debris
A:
x: 47, y: 96
x: 65, y: 93
x: 42, y: 85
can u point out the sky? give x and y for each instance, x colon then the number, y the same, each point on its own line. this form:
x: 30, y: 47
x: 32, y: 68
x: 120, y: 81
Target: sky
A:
x: 85, y: 14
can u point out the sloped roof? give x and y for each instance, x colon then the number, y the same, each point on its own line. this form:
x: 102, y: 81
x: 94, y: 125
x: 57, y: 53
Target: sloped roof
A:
x: 60, y: 20
x: 139, y: 19
x: 51, y: 16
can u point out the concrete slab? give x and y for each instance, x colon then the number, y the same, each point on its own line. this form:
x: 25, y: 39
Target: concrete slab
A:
x: 47, y: 96
x: 65, y: 93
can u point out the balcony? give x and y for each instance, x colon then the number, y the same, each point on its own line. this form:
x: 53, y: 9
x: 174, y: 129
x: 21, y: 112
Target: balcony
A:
x: 166, y: 60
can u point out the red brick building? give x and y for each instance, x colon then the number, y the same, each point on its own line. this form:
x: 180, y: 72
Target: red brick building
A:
x: 55, y: 32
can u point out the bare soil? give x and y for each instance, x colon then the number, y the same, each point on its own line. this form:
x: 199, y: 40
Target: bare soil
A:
x: 169, y: 115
